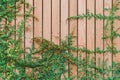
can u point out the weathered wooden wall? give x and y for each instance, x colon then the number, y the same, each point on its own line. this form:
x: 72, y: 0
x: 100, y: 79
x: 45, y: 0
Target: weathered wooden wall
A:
x: 52, y: 22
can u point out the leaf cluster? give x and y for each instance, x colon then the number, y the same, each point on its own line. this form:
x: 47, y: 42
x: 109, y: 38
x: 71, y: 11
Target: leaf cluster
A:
x: 49, y: 61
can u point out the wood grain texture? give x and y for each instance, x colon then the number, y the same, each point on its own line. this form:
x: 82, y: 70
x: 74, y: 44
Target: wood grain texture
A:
x: 38, y: 23
x: 73, y: 31
x: 29, y: 31
x: 107, y: 4
x: 99, y: 34
x: 55, y: 21
x: 82, y: 30
x: 91, y: 33
x: 107, y: 56
x: 38, y: 27
x: 38, y: 14
x: 52, y: 24
x: 117, y: 40
x: 19, y: 19
x: 47, y: 19
x: 64, y: 24
x: 64, y: 16
x: 29, y: 27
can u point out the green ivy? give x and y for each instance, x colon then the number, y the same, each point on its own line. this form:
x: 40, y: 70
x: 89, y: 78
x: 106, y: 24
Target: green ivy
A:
x: 49, y: 61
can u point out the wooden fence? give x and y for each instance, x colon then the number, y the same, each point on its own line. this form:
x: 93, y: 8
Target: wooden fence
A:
x: 52, y: 22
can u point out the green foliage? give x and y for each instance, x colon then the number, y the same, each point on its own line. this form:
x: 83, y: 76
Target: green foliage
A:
x: 49, y: 61
x: 110, y: 72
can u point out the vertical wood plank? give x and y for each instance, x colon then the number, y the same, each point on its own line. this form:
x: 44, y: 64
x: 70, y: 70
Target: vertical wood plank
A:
x: 29, y: 31
x: 38, y: 14
x: 19, y: 19
x: 64, y: 16
x: 55, y: 21
x: 64, y: 24
x: 90, y: 27
x: 91, y: 34
x: 99, y: 35
x: 29, y: 28
x: 107, y: 56
x: 73, y: 30
x: 38, y: 22
x: 47, y: 19
x: 82, y: 31
x: 38, y: 26
x: 116, y: 57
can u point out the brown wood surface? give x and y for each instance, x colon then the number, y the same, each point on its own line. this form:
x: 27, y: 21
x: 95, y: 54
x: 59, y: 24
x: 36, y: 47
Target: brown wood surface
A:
x: 19, y: 19
x: 51, y: 22
x: 107, y: 56
x: 47, y: 19
x: 99, y: 34
x: 56, y: 21
x: 82, y: 31
x: 91, y: 34
x: 29, y: 31
x: 64, y: 25
x: 117, y: 40
x: 73, y: 30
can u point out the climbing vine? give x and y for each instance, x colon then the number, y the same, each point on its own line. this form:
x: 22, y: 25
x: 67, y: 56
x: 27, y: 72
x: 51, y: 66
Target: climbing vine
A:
x: 109, y: 36
x: 49, y: 60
